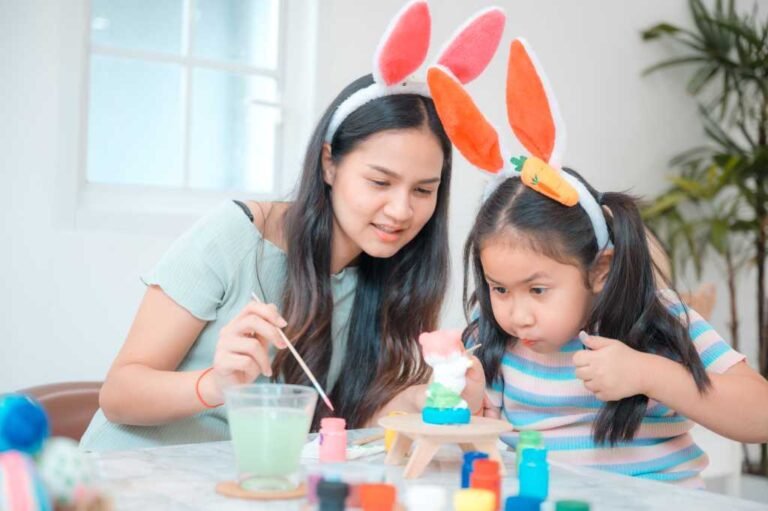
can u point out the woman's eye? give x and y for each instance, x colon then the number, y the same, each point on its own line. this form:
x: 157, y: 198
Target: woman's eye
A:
x: 499, y: 290
x: 538, y: 290
x: 424, y: 191
x: 381, y: 184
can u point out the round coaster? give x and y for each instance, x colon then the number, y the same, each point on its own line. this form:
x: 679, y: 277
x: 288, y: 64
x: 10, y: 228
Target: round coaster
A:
x: 232, y: 489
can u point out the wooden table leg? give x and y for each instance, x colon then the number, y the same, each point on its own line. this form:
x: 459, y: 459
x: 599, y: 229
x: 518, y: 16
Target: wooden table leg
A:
x: 423, y: 453
x: 491, y: 447
x: 467, y: 446
x: 400, y: 447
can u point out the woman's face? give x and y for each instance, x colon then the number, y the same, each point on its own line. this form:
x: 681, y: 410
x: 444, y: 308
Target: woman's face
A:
x: 384, y: 191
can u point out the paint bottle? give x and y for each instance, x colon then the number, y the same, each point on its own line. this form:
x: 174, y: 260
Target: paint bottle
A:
x: 389, y: 435
x: 534, y: 474
x: 473, y: 499
x: 485, y: 476
x: 466, y: 467
x: 426, y: 497
x: 333, y: 440
x: 522, y: 503
x: 571, y: 505
x: 331, y: 495
x: 377, y: 497
x: 528, y: 439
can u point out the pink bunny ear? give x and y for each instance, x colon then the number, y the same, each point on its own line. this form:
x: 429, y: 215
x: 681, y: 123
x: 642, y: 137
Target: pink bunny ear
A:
x: 472, y: 47
x: 404, y: 46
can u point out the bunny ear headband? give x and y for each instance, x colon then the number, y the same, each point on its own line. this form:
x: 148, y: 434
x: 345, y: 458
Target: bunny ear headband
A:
x: 535, y: 119
x: 403, y: 49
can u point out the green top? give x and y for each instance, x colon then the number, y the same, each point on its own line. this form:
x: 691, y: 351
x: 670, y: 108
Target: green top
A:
x: 211, y: 271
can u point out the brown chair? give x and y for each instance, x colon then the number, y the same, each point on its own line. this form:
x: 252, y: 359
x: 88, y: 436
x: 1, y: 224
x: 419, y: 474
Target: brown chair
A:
x: 70, y: 405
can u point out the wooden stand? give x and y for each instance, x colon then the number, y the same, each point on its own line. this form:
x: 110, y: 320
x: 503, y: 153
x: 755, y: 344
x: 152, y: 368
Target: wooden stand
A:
x: 482, y: 434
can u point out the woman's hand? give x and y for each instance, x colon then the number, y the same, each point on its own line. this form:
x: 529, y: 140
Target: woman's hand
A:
x: 242, y: 351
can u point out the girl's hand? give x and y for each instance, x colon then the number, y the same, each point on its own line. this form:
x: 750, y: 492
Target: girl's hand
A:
x: 242, y: 351
x: 475, y: 389
x: 610, y: 368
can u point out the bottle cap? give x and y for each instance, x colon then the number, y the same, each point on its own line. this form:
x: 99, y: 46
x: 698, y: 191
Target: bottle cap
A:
x: 486, y: 467
x: 522, y: 503
x: 530, y: 436
x: 377, y: 497
x: 474, y: 499
x: 571, y: 505
x: 332, y: 490
x: 471, y: 456
x: 426, y: 498
x: 333, y: 424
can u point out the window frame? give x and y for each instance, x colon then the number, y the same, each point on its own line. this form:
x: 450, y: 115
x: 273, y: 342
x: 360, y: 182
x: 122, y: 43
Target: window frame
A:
x: 162, y: 210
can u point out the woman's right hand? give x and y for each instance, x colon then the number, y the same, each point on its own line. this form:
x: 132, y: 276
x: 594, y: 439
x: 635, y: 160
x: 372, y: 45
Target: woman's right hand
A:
x: 242, y: 351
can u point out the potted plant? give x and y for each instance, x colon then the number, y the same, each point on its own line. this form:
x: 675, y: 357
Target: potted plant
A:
x: 716, y: 207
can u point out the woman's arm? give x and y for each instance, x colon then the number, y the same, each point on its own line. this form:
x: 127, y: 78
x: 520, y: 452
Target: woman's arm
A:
x: 143, y: 387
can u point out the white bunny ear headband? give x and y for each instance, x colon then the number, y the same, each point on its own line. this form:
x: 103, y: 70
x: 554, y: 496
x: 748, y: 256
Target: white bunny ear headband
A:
x: 403, y: 49
x: 535, y: 119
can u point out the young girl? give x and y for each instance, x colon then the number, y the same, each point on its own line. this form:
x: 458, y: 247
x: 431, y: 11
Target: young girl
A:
x: 358, y: 265
x: 578, y: 342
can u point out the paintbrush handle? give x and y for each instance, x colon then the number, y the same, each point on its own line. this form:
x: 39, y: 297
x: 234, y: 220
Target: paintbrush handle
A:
x: 306, y: 369
x: 300, y: 361
x: 473, y: 348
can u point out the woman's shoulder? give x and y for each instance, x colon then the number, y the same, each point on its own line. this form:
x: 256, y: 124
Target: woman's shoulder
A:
x: 268, y: 219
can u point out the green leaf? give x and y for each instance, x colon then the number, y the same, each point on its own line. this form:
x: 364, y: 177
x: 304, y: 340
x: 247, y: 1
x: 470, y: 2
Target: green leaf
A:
x: 660, y: 30
x: 673, y: 62
x: 663, y: 204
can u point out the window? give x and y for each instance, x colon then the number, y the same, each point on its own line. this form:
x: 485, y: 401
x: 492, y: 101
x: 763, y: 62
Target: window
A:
x: 184, y: 102
x: 184, y: 93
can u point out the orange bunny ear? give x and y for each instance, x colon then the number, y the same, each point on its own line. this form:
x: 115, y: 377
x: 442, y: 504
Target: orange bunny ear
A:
x: 531, y: 106
x: 465, y: 125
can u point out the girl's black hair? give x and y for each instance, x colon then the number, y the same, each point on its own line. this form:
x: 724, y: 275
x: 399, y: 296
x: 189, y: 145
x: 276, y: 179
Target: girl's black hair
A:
x: 628, y: 308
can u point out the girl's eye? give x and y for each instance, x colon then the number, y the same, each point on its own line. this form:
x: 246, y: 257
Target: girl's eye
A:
x: 424, y: 191
x: 538, y: 290
x: 499, y: 290
x: 380, y: 184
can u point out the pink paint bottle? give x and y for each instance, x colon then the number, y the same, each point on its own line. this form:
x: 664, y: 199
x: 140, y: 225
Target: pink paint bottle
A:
x: 333, y: 440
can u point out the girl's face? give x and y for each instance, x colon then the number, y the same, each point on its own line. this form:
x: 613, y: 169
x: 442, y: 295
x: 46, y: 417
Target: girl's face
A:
x: 384, y: 191
x: 542, y: 302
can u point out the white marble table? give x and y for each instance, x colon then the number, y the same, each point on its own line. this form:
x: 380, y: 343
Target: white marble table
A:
x: 183, y: 478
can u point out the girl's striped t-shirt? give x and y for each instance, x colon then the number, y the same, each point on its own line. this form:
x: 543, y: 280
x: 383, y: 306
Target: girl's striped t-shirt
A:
x: 541, y: 392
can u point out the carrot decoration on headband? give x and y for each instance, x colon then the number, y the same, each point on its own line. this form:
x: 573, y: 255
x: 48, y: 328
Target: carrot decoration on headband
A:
x: 535, y: 119
x: 403, y: 49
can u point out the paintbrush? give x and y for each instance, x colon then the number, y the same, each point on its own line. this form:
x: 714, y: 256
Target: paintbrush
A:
x: 301, y: 362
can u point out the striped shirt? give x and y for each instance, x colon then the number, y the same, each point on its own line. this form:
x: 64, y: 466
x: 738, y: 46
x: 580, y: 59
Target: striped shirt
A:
x: 541, y: 392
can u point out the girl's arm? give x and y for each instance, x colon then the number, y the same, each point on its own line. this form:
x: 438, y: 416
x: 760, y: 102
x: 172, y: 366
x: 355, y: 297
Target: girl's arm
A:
x: 143, y: 387
x: 736, y: 406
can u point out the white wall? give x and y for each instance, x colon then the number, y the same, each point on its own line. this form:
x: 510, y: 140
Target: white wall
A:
x: 67, y: 295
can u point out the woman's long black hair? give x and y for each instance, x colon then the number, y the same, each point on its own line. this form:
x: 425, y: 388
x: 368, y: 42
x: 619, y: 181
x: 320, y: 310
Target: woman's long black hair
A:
x: 628, y: 308
x: 396, y: 298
